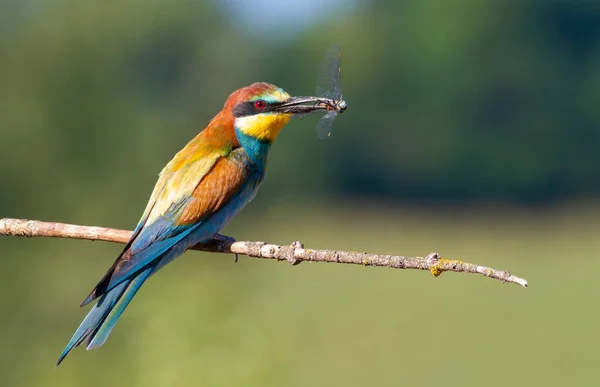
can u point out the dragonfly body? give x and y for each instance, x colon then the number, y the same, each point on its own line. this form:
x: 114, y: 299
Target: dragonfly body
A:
x: 332, y: 105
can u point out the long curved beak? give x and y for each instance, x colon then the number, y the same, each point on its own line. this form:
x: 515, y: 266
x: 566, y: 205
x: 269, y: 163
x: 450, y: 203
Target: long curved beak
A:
x: 303, y: 105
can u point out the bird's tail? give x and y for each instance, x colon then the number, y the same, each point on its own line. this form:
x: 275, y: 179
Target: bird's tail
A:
x: 100, y: 321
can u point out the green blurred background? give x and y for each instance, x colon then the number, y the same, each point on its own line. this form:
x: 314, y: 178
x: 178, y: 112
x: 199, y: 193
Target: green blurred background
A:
x: 472, y: 130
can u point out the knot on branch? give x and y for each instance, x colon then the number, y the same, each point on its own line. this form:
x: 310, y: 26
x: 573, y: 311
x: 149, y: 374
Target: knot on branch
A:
x: 433, y: 262
x: 294, y: 253
x: 437, y: 265
x: 297, y: 251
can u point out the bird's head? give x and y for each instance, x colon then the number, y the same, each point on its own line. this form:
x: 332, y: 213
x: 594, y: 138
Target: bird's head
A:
x: 261, y: 109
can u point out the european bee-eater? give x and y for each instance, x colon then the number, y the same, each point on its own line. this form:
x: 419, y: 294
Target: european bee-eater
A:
x: 198, y: 192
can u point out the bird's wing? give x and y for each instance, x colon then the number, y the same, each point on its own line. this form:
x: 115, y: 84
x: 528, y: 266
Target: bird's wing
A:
x: 182, y: 199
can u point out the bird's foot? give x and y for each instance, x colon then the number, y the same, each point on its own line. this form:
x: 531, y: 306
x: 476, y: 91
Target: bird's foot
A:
x: 222, y: 241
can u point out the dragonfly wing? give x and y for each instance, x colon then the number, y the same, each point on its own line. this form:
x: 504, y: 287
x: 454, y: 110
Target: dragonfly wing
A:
x: 335, y: 72
x: 324, y: 125
x: 328, y: 77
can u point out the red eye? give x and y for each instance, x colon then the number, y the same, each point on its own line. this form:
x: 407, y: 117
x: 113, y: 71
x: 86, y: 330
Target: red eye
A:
x: 260, y: 104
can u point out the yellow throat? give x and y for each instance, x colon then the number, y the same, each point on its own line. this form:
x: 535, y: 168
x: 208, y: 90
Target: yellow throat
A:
x: 264, y: 127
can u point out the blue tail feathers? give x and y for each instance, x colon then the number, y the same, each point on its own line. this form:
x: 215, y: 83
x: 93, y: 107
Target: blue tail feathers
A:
x: 100, y: 321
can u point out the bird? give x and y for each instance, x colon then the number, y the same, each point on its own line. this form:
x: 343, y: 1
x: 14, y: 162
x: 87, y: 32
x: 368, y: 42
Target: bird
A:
x: 197, y: 193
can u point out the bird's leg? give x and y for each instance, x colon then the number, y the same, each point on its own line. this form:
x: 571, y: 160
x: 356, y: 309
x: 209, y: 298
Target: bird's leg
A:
x: 221, y: 241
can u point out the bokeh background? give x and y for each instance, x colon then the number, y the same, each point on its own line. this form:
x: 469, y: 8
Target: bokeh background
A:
x: 472, y: 130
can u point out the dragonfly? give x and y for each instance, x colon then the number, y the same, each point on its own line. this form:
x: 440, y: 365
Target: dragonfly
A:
x: 329, y: 91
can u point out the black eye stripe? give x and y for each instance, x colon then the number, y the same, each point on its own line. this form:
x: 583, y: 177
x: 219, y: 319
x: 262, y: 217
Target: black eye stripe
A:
x: 249, y: 108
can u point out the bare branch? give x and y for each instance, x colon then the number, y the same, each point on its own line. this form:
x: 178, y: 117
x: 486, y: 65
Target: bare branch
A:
x: 295, y: 253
